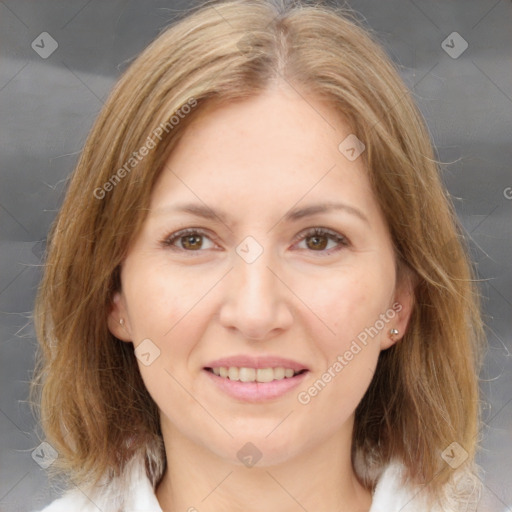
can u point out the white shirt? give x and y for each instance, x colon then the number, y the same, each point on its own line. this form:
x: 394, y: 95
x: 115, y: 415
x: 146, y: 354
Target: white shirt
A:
x: 136, y: 494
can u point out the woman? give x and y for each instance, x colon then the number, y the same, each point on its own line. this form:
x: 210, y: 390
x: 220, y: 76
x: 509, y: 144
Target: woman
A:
x: 255, y: 297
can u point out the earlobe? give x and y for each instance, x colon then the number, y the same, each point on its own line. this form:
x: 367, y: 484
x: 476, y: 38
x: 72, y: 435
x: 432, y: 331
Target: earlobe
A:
x: 117, y: 323
x: 402, y: 306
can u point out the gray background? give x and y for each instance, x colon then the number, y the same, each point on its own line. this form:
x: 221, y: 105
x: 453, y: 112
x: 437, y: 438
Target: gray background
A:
x: 48, y: 105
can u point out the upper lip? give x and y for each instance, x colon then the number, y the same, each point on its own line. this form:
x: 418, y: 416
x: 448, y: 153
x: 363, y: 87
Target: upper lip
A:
x: 245, y: 361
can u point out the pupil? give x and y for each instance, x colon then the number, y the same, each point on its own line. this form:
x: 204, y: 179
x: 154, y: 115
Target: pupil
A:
x: 192, y: 242
x: 318, y: 242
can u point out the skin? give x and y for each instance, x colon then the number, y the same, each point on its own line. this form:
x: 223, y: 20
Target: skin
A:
x: 255, y: 160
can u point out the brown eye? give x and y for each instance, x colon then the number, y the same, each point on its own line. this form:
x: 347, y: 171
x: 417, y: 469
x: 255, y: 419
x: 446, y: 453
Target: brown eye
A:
x: 189, y: 240
x: 317, y: 242
x: 322, y: 240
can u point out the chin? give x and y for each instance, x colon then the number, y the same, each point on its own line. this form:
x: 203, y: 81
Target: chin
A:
x: 256, y: 449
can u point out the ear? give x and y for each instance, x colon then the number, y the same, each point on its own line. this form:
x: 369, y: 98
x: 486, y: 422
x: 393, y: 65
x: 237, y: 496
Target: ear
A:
x: 402, y: 305
x: 118, y: 312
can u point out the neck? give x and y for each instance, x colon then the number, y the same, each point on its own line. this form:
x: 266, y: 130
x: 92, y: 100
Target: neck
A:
x: 321, y: 478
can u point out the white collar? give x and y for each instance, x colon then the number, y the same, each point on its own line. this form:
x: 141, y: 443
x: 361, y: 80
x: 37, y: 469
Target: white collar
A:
x: 133, y: 492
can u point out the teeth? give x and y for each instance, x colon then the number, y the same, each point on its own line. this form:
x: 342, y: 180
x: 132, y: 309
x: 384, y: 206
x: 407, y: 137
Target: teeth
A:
x: 265, y: 375
x: 247, y: 374
x: 254, y: 374
x: 279, y: 373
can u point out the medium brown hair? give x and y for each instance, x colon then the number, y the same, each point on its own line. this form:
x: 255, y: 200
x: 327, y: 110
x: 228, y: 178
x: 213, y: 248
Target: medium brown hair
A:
x: 95, y: 409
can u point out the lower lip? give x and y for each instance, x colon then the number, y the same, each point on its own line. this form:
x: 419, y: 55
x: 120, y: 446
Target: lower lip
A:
x: 256, y: 391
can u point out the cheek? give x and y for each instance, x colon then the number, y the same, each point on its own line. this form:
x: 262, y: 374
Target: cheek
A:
x: 349, y: 302
x: 160, y: 298
x: 352, y: 303
x: 172, y: 307
x: 165, y: 319
x: 165, y: 307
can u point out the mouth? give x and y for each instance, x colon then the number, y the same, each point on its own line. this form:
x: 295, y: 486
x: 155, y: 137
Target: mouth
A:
x: 261, y: 375
x: 249, y: 379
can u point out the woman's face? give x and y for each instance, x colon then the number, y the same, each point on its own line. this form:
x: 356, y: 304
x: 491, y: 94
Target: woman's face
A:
x: 286, y: 264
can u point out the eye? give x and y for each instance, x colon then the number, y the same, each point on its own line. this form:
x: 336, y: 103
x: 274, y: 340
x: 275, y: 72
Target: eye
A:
x: 191, y: 240
x: 316, y: 239
x: 321, y: 240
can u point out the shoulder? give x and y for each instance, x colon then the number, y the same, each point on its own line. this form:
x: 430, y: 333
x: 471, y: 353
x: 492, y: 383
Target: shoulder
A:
x: 390, y: 495
x: 74, y: 499
x: 132, y: 492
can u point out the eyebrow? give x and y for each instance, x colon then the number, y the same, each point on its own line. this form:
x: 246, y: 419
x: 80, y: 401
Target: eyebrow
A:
x: 205, y: 212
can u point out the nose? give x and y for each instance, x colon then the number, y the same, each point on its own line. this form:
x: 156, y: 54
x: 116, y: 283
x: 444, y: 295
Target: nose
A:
x: 256, y: 301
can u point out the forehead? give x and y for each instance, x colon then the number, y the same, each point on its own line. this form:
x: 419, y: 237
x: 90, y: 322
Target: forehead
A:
x: 271, y: 150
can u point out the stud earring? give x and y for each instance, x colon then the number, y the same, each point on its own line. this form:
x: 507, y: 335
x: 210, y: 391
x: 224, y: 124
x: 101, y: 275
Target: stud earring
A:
x: 393, y: 332
x: 121, y: 321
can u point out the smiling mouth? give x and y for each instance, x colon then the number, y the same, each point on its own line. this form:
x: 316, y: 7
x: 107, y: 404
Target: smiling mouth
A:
x: 261, y: 375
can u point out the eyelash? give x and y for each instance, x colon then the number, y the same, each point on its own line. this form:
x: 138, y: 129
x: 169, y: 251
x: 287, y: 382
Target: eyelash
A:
x: 169, y: 240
